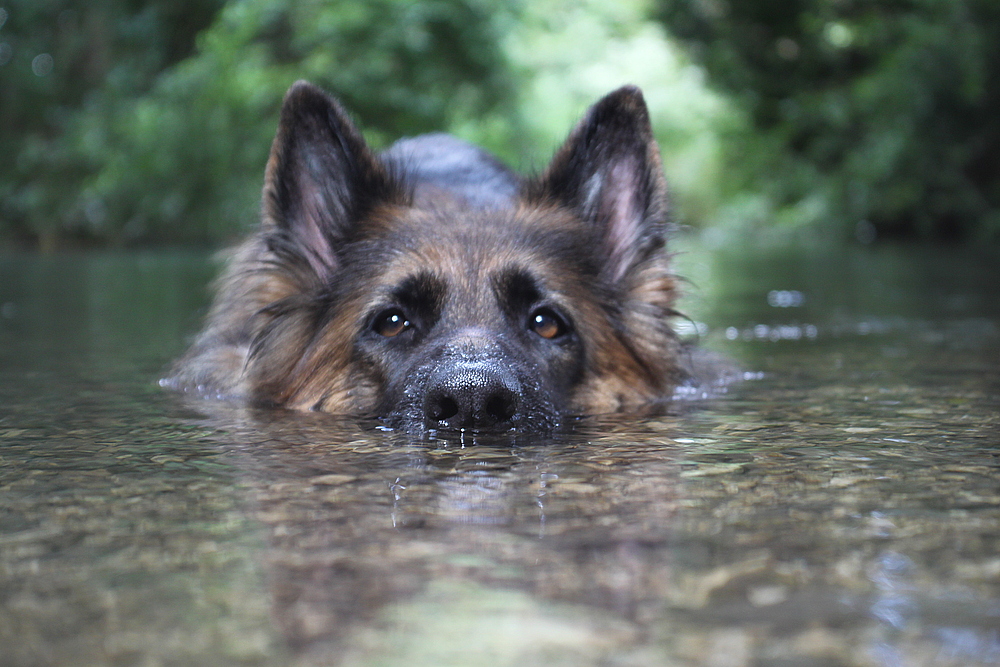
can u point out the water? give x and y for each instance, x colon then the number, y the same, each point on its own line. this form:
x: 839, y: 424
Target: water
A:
x: 839, y: 506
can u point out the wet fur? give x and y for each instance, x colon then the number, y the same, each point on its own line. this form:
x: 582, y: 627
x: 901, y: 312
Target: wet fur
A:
x: 471, y: 245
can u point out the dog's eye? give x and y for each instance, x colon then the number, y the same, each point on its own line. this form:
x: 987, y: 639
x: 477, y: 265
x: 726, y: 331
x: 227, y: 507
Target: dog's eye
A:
x: 391, y: 323
x: 547, y: 324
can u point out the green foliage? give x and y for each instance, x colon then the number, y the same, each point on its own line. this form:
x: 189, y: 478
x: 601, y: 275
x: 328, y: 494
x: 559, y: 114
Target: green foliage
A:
x: 201, y: 136
x: 177, y: 154
x: 55, y: 55
x: 149, y: 121
x: 163, y: 134
x: 864, y: 113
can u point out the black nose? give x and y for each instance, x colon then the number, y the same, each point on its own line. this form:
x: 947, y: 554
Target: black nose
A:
x: 471, y: 394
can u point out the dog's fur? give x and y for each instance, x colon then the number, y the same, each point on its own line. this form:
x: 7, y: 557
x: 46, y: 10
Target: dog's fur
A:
x: 431, y: 285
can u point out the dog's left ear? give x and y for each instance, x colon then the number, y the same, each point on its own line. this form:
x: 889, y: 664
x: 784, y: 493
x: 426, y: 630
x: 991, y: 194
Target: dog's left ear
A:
x: 609, y: 173
x: 321, y: 179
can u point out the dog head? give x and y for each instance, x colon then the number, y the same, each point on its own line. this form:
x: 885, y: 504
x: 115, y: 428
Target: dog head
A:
x: 430, y: 285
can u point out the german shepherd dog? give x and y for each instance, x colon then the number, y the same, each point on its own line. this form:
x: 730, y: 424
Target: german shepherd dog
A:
x: 433, y: 287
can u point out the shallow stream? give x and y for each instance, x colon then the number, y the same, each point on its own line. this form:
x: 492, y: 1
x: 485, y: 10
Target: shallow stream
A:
x: 837, y: 505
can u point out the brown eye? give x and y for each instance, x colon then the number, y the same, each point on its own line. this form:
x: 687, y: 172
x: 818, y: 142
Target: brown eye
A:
x: 546, y: 324
x: 391, y: 323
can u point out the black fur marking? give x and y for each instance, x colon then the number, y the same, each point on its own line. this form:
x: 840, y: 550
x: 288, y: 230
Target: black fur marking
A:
x: 421, y: 296
x: 517, y: 291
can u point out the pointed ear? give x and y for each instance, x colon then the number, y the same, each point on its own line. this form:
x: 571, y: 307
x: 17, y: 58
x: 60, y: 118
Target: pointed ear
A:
x: 321, y: 178
x: 609, y: 173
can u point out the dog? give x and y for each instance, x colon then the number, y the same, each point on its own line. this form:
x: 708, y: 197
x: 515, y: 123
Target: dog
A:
x: 430, y: 285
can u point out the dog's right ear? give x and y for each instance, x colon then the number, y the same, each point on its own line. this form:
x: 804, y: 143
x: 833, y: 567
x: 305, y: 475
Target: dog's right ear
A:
x: 321, y: 178
x: 609, y: 172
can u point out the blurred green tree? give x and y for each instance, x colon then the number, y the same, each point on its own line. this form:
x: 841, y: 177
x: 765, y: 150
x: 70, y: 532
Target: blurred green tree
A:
x: 61, y: 60
x: 879, y: 115
x: 143, y: 152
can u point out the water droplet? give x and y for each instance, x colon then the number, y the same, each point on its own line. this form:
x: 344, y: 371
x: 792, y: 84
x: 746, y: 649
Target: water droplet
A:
x: 42, y: 64
x: 865, y: 232
x: 787, y: 48
x: 838, y: 34
x: 785, y: 298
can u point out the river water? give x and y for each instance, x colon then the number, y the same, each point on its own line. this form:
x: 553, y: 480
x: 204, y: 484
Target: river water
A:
x: 834, y: 501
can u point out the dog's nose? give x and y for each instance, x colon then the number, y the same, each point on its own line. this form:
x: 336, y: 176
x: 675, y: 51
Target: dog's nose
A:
x: 471, y: 394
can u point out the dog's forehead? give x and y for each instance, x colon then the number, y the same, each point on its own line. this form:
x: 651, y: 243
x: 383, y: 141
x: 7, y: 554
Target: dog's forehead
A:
x: 469, y: 245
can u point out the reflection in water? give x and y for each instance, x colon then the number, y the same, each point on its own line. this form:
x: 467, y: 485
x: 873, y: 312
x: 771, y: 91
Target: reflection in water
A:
x: 363, y: 533
x: 839, y: 506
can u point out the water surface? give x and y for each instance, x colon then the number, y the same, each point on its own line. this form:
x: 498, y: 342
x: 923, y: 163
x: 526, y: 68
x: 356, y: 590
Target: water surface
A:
x: 838, y: 506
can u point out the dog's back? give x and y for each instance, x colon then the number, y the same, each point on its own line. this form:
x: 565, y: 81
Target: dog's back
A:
x: 439, y: 164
